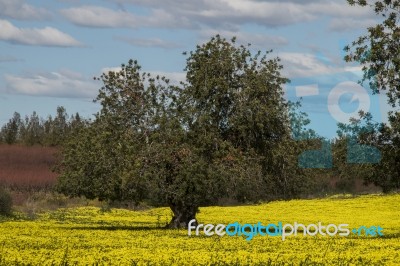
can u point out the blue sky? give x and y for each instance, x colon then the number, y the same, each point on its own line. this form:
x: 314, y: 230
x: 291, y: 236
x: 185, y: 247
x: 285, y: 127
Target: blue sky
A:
x: 51, y: 50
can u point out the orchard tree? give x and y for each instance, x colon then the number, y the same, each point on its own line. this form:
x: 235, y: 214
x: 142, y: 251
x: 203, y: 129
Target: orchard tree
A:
x: 224, y: 132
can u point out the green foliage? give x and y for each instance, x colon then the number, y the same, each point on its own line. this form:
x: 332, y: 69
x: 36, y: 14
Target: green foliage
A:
x: 10, y: 132
x: 234, y: 96
x: 5, y: 202
x: 387, y: 173
x: 34, y: 130
x: 298, y: 123
x: 383, y: 138
x: 225, y: 132
x: 378, y: 50
x: 56, y: 129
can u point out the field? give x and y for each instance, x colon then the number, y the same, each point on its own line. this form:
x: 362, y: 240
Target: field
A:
x: 90, y: 236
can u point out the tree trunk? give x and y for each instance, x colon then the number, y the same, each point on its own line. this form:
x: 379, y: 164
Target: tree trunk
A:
x: 183, y: 214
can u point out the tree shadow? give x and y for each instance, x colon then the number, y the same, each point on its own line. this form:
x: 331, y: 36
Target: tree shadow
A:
x: 116, y: 228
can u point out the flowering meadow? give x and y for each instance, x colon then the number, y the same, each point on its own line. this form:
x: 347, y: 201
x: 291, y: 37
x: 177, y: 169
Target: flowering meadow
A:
x: 90, y: 236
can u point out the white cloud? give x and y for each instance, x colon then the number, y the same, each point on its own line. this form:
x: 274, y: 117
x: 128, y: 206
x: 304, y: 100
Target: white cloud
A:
x: 18, y: 9
x: 346, y: 24
x: 96, y: 16
x: 306, y: 65
x: 150, y: 42
x: 64, y: 83
x: 220, y: 12
x: 340, y: 9
x: 67, y: 83
x: 306, y: 69
x: 229, y: 14
x: 47, y: 36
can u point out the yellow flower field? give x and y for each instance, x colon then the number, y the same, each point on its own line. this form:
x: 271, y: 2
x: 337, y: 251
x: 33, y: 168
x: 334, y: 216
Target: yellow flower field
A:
x: 87, y: 236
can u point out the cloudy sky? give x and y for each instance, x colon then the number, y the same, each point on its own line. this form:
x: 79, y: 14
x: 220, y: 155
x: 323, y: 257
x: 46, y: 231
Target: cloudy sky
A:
x: 51, y: 50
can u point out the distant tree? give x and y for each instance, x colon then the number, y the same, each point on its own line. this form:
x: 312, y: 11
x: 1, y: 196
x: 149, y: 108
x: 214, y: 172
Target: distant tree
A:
x: 10, y: 131
x: 76, y: 122
x: 355, y: 150
x: 36, y: 130
x: 224, y: 132
x: 384, y: 142
x: 32, y: 131
x: 56, y: 129
x: 60, y: 125
x: 47, y: 131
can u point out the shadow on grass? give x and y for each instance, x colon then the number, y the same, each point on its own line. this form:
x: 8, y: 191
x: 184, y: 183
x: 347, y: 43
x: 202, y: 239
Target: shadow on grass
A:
x: 390, y: 236
x: 115, y: 228
x: 385, y: 236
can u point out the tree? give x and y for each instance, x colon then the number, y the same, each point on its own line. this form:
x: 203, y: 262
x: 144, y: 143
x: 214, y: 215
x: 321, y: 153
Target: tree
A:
x: 379, y: 50
x: 372, y: 140
x: 10, y: 132
x: 56, y: 130
x: 379, y: 54
x: 237, y: 97
x: 32, y: 131
x: 356, y: 150
x: 35, y: 130
x: 76, y: 123
x: 224, y: 132
x: 387, y: 173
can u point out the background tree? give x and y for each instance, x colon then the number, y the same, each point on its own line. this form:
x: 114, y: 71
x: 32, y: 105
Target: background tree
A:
x: 32, y: 131
x: 10, y: 132
x: 380, y: 140
x: 356, y: 151
x: 57, y: 129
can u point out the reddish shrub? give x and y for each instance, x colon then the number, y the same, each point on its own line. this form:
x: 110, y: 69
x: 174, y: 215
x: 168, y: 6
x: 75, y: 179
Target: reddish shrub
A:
x: 27, y: 168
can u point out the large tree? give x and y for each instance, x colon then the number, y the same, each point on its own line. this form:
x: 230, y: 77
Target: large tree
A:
x: 379, y: 53
x: 224, y: 132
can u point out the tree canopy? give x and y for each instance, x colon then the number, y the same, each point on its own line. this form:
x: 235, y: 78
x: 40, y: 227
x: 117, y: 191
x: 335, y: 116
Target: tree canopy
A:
x: 224, y: 132
x: 379, y: 50
x: 379, y: 53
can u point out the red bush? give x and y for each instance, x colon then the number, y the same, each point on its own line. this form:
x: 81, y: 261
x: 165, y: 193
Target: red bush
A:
x: 26, y: 168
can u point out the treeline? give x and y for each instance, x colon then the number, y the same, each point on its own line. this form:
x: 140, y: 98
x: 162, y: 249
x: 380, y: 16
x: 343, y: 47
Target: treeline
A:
x: 338, y: 165
x: 34, y: 130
